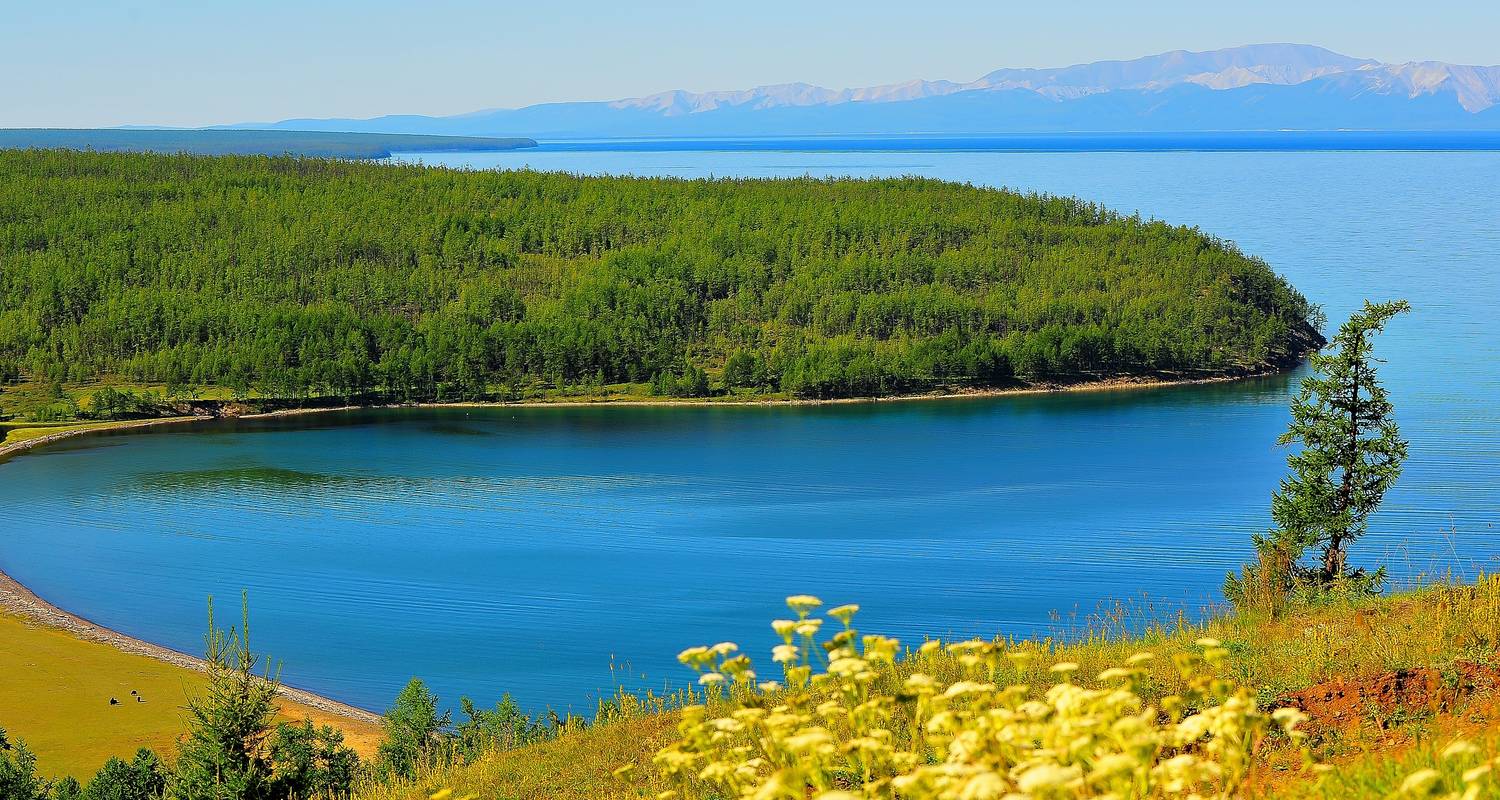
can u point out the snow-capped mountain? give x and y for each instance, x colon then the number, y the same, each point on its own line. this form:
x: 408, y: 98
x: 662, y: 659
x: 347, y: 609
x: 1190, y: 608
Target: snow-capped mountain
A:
x: 1256, y: 87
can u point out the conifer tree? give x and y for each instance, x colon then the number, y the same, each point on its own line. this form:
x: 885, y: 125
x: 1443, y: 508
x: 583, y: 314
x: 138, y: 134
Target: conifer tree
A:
x: 382, y: 283
x: 224, y: 756
x: 1349, y: 453
x: 67, y: 788
x: 413, y: 730
x: 18, y: 778
x: 310, y: 762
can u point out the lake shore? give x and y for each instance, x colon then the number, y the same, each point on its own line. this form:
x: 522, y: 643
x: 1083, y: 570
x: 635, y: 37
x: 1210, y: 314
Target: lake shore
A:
x: 16, y: 598
x: 10, y: 449
x: 22, y: 602
x: 1104, y: 385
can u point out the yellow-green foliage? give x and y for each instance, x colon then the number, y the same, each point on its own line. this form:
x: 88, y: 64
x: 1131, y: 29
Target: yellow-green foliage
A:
x: 14, y: 434
x: 867, y: 726
x: 35, y: 404
x: 575, y: 766
x: 1431, y: 627
x: 1457, y: 769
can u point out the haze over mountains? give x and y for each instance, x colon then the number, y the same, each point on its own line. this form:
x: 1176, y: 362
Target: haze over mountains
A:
x: 1256, y: 87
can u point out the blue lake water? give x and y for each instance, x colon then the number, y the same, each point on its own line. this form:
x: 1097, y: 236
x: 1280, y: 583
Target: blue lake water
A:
x: 526, y: 550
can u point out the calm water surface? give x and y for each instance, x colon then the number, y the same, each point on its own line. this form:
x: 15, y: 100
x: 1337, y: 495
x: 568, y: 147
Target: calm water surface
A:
x: 526, y: 550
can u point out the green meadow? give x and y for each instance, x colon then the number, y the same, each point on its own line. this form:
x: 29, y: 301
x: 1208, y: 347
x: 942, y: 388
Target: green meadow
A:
x: 56, y: 691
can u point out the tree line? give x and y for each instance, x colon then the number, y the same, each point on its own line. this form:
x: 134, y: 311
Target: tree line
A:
x: 298, y: 277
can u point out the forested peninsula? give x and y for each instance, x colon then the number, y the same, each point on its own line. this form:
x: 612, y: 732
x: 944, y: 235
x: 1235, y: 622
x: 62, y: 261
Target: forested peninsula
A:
x: 298, y: 278
x: 320, y: 144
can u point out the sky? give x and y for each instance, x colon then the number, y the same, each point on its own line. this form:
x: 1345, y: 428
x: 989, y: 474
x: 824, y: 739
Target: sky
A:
x: 88, y: 63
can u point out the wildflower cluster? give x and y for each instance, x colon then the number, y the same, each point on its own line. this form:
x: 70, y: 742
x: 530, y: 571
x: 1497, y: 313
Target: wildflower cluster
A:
x: 852, y: 720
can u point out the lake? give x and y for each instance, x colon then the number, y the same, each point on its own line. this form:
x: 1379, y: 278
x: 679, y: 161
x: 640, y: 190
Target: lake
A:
x: 529, y: 550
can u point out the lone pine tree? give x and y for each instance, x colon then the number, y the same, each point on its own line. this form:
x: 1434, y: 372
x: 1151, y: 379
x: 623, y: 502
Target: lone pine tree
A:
x: 1349, y: 453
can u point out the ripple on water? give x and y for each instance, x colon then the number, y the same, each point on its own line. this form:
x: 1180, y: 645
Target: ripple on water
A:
x: 525, y: 550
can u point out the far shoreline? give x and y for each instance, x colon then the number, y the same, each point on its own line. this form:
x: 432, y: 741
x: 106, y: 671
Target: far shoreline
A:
x: 1119, y: 383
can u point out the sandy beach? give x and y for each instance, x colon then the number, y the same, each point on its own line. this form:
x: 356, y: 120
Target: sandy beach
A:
x: 19, y: 600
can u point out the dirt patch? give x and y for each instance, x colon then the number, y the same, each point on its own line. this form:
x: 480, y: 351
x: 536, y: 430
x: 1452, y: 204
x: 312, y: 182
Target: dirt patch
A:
x: 1344, y: 702
x: 1363, y: 719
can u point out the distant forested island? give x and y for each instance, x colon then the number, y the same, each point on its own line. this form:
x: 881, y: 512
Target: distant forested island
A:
x: 249, y: 142
x: 300, y: 278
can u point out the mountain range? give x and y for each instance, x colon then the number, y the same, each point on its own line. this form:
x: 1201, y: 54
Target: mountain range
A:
x: 1256, y: 87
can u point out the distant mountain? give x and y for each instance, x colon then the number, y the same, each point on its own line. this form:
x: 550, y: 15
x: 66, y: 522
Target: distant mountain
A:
x: 1257, y: 87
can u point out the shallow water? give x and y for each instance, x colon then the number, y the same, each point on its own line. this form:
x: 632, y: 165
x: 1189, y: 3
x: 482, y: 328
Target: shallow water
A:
x: 525, y: 550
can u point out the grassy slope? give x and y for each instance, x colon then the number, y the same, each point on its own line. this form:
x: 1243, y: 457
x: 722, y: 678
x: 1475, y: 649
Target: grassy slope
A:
x: 55, y: 695
x: 20, y: 401
x: 23, y: 432
x: 1372, y: 750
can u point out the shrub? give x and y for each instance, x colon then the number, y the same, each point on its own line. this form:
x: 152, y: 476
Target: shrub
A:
x: 67, y: 788
x: 142, y: 778
x: 413, y: 731
x: 309, y: 762
x: 504, y: 727
x: 110, y: 404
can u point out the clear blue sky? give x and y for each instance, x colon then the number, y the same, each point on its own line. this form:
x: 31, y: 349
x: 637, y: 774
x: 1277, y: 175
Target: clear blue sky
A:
x: 194, y: 62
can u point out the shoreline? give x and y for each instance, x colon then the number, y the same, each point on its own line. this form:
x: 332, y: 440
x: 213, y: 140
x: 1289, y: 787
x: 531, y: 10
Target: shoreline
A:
x: 18, y: 599
x: 1102, y: 385
x: 26, y: 604
x: 7, y: 450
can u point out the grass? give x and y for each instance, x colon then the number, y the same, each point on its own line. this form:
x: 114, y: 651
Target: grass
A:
x: 576, y: 766
x: 24, y: 399
x: 1371, y: 754
x: 21, y: 432
x: 57, y: 687
x: 55, y: 692
x: 1380, y: 772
